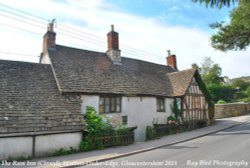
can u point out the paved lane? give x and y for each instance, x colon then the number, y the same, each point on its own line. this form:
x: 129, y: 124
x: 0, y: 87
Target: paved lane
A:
x: 229, y: 148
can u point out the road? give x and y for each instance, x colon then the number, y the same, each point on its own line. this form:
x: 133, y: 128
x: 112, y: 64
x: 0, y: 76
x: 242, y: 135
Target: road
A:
x: 229, y: 148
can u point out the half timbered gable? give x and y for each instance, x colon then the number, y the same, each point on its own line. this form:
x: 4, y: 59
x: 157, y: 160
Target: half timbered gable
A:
x: 194, y: 103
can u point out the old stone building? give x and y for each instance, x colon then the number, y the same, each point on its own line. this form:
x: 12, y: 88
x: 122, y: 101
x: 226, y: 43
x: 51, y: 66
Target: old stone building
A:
x: 41, y: 105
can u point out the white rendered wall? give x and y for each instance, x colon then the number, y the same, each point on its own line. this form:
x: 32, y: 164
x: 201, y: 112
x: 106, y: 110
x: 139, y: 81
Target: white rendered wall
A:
x: 47, y: 144
x: 89, y: 100
x: 141, y: 111
x: 15, y: 147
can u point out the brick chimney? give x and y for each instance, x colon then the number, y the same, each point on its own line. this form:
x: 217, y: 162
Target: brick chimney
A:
x: 171, y: 60
x: 49, y: 42
x: 113, y: 51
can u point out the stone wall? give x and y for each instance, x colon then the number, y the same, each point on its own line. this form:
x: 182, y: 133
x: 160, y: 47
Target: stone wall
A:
x: 231, y: 109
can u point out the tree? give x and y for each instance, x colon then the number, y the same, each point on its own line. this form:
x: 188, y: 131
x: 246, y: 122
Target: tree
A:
x: 219, y: 3
x: 248, y: 91
x: 241, y: 84
x: 195, y: 66
x: 220, y: 92
x: 210, y: 72
x: 234, y: 35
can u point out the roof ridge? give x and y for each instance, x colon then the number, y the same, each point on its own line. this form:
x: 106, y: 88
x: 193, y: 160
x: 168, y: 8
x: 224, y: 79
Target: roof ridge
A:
x: 185, y: 70
x: 74, y: 48
x: 24, y: 62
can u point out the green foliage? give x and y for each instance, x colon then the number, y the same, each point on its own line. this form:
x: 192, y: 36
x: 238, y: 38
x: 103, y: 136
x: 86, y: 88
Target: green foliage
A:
x: 21, y: 158
x: 159, y: 130
x: 239, y: 95
x: 122, y: 130
x: 64, y: 151
x: 87, y: 145
x: 246, y: 99
x: 196, y: 66
x: 218, y: 3
x: 213, y: 75
x: 235, y: 34
x: 171, y: 118
x: 210, y: 72
x: 207, y: 94
x: 99, y: 126
x: 221, y: 102
x: 243, y: 85
x: 150, y: 133
x: 220, y: 91
x: 176, y: 110
x: 248, y: 91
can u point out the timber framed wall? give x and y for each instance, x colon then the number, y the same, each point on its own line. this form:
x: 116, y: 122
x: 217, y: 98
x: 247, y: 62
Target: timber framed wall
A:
x: 194, y: 103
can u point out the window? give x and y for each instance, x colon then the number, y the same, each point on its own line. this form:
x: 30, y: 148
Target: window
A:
x: 109, y: 104
x: 160, y: 103
x: 124, y: 120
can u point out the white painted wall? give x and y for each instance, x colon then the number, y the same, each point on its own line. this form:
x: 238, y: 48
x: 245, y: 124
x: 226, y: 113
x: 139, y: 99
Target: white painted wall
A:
x: 15, y: 147
x: 89, y: 100
x: 46, y: 144
x: 141, y: 111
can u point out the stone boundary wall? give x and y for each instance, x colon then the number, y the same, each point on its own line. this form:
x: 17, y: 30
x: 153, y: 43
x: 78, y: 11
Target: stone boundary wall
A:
x: 231, y: 109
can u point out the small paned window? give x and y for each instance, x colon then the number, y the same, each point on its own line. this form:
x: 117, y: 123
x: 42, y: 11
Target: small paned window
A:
x: 124, y: 120
x: 109, y: 104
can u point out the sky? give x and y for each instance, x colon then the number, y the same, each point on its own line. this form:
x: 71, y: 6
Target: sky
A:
x: 147, y: 29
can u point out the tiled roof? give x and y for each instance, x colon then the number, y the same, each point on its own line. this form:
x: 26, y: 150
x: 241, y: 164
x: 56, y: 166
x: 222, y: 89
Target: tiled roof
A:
x: 181, y: 80
x: 31, y: 102
x: 93, y: 72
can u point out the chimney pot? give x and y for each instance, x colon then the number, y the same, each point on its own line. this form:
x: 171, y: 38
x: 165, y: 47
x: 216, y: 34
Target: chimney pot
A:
x: 112, y: 28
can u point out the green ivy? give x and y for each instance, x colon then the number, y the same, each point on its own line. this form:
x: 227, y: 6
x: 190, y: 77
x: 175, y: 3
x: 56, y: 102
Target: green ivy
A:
x: 206, y: 93
x: 176, y: 110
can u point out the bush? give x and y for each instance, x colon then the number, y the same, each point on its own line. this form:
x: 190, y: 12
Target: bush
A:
x: 221, y: 102
x: 122, y: 131
x: 243, y: 85
x: 171, y: 118
x: 87, y: 145
x: 246, y: 100
x: 248, y: 91
x: 221, y: 92
x: 98, y: 126
x: 150, y: 133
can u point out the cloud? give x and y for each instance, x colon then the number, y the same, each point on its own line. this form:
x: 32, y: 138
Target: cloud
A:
x: 94, y: 17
